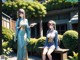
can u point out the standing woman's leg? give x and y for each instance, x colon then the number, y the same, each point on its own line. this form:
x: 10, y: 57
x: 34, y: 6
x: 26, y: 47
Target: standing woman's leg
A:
x: 19, y: 54
x: 51, y: 49
x: 27, y: 53
x: 44, y: 53
x: 20, y: 49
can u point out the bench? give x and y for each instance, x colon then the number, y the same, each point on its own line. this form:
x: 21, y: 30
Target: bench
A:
x: 62, y: 52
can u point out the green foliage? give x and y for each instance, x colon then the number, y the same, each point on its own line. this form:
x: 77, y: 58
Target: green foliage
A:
x: 58, y: 4
x: 13, y: 45
x: 35, y: 43
x: 60, y: 37
x: 74, y: 57
x: 69, y: 40
x: 33, y: 9
x: 31, y: 45
x: 36, y: 9
x: 5, y: 44
x: 40, y: 43
x: 7, y: 34
x: 7, y: 52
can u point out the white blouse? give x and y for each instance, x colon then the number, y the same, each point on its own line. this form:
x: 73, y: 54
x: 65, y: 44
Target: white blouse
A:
x: 24, y: 22
x: 50, y: 35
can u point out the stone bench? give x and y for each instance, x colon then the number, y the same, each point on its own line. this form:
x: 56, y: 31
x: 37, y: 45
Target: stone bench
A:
x: 62, y: 52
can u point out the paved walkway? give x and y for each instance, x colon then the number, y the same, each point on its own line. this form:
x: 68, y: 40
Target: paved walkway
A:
x: 30, y: 58
x: 14, y: 57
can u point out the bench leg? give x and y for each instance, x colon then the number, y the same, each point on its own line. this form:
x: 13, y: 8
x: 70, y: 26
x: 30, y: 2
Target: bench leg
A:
x: 63, y: 56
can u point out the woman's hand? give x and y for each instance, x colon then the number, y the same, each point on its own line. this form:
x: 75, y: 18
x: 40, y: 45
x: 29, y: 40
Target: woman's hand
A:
x: 19, y: 27
x: 32, y: 24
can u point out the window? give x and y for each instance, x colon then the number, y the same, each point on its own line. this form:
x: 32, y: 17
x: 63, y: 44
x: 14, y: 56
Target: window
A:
x: 61, y: 16
x: 75, y: 26
x: 64, y: 16
x: 61, y: 28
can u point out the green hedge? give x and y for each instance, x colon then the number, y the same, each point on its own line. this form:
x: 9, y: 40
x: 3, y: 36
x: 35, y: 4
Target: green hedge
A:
x: 69, y: 40
x: 31, y: 45
x: 7, y: 36
x: 40, y: 43
x: 34, y: 44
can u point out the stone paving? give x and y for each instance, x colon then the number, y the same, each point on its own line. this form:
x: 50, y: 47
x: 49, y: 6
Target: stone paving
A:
x: 30, y: 58
x: 14, y: 57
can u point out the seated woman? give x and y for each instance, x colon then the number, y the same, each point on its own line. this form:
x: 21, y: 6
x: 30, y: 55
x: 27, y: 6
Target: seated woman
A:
x: 51, y: 42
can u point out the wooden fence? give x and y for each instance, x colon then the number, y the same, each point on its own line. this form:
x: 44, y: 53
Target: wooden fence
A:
x: 8, y: 22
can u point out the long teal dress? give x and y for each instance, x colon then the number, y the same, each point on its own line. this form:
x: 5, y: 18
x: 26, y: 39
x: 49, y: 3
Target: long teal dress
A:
x: 22, y: 37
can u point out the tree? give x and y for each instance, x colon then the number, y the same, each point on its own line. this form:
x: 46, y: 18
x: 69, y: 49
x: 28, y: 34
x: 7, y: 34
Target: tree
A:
x: 59, y: 4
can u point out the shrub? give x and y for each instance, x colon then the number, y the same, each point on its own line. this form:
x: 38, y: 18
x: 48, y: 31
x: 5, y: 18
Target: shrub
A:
x: 5, y: 44
x: 35, y: 43
x: 69, y: 40
x: 31, y: 45
x: 13, y: 45
x: 40, y: 43
x: 74, y: 57
x: 6, y: 52
x: 7, y: 34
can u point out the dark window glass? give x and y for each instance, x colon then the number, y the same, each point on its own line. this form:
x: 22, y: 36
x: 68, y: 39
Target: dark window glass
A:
x: 61, y: 28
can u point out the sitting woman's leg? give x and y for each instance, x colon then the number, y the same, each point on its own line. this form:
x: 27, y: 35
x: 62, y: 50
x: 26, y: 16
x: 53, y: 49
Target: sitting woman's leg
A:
x: 44, y: 53
x: 51, y: 49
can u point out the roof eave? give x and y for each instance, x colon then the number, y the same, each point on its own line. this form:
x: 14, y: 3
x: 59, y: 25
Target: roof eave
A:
x: 61, y: 11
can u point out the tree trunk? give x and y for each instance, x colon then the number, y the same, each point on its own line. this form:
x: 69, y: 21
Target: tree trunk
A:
x: 41, y: 28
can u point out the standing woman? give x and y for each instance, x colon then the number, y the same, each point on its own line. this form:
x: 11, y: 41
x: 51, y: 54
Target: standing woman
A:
x: 51, y: 42
x: 22, y: 35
